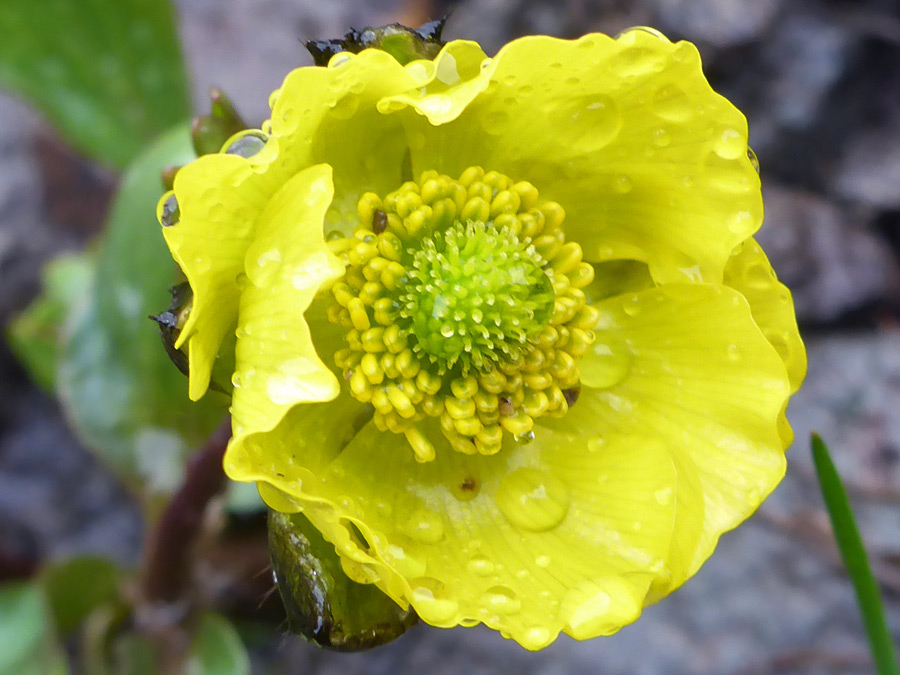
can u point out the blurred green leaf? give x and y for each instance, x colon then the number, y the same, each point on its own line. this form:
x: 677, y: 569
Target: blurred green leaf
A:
x: 217, y: 649
x: 77, y: 587
x: 134, y: 654
x: 124, y: 397
x: 27, y: 641
x: 107, y: 73
x: 855, y: 560
x: 34, y: 335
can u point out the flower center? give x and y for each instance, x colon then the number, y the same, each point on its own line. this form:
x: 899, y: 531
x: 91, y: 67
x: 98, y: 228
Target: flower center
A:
x: 474, y: 296
x: 462, y: 301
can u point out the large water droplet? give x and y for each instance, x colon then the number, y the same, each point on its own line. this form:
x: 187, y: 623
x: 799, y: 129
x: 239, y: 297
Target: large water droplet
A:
x: 606, y: 364
x: 663, y: 495
x: 169, y: 213
x: 533, y: 499
x: 502, y: 600
x: 247, y: 145
x: 430, y: 602
x: 345, y: 107
x: 425, y: 527
x: 672, y: 104
x: 730, y: 144
x: 602, y: 121
x: 535, y: 637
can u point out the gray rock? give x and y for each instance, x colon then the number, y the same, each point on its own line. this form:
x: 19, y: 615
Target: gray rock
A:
x: 716, y: 22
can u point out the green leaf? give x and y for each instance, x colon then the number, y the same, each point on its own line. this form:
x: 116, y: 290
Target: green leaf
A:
x: 107, y: 73
x: 28, y: 645
x: 76, y: 587
x: 854, y: 555
x: 122, y: 394
x: 35, y: 334
x: 323, y: 604
x: 217, y: 649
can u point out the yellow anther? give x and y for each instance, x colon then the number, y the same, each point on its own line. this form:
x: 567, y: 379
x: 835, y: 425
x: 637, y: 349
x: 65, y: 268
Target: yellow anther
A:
x: 493, y: 381
x: 371, y: 291
x: 358, y: 314
x: 392, y: 275
x: 579, y: 341
x: 401, y: 402
x: 415, y: 221
x: 459, y: 408
x: 582, y: 275
x: 554, y: 215
x: 430, y: 384
x: 422, y: 448
x: 548, y: 245
x: 360, y: 386
x: 529, y: 224
x: 362, y: 253
x: 367, y: 205
x: 393, y: 339
x: 486, y: 402
x: 464, y: 387
x: 528, y: 194
x: 505, y: 202
x: 390, y: 246
x: 537, y: 380
x: 433, y: 190
x: 491, y: 435
x: 469, y: 426
x: 408, y: 203
x: 389, y: 365
x: 373, y: 269
x: 382, y: 311
x: 475, y: 209
x: 567, y: 258
x: 563, y: 366
x: 371, y: 369
x: 407, y: 363
x: 536, y: 403
x: 373, y: 339
x: 432, y: 406
x: 342, y: 293
x: 517, y: 424
x: 470, y: 175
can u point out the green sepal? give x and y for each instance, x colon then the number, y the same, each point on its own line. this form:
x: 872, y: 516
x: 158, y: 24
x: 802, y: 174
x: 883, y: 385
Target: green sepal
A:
x: 404, y: 44
x: 322, y: 603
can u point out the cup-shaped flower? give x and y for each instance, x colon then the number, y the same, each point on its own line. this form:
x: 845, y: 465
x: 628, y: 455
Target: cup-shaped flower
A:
x: 503, y: 333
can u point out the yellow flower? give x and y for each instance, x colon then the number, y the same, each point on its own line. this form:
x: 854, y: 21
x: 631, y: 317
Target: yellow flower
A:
x: 503, y: 333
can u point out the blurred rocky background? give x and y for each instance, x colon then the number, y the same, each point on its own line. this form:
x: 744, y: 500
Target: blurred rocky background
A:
x: 819, y: 81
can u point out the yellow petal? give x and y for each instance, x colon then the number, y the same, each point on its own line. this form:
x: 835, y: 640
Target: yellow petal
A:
x: 219, y: 197
x: 448, y: 83
x: 328, y: 115
x: 749, y: 272
x: 276, y: 363
x: 686, y: 364
x: 627, y: 135
x: 538, y: 539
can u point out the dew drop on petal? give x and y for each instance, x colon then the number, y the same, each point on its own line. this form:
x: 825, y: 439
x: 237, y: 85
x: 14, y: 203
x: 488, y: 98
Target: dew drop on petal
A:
x: 430, y: 603
x: 495, y: 121
x: 535, y: 637
x: 542, y: 561
x: 524, y: 438
x: 663, y: 496
x: 532, y: 499
x: 501, y: 600
x: 606, y: 364
x: 730, y: 144
x: 734, y: 352
x: 425, y: 526
x: 480, y: 566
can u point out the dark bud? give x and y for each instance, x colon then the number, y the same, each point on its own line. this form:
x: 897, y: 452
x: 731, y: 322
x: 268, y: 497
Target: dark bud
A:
x: 209, y: 132
x: 404, y: 44
x: 172, y: 321
x: 571, y: 395
x: 322, y: 603
x: 168, y: 177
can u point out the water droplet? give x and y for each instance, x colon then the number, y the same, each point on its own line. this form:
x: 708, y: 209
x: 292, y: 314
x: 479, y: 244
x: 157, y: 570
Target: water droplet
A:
x: 606, y: 364
x: 248, y: 144
x: 524, y: 92
x: 542, y: 561
x: 430, y: 602
x: 663, y: 496
x: 502, y: 600
x: 447, y: 330
x: 426, y: 527
x: 170, y: 212
x: 604, y: 120
x: 741, y: 223
x: 241, y: 281
x: 734, y: 352
x: 236, y: 380
x: 754, y: 160
x: 661, y: 138
x: 672, y: 104
x: 533, y: 499
x: 535, y: 637
x: 481, y: 566
x: 524, y: 438
x: 622, y: 184
x: 596, y: 444
x: 495, y: 121
x: 730, y: 144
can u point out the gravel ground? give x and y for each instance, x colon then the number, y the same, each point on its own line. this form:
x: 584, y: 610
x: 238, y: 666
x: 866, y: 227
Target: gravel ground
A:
x: 820, y: 84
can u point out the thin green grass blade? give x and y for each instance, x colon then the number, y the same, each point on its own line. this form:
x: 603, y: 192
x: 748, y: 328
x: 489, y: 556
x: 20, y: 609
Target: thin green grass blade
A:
x: 851, y: 546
